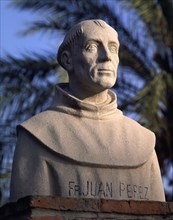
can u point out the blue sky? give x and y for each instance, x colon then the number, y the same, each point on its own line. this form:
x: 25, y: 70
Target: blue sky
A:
x: 12, y: 21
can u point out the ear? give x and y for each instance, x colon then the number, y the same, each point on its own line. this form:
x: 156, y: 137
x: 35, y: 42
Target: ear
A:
x: 66, y: 60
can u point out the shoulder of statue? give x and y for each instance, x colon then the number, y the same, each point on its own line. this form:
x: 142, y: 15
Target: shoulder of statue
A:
x: 39, y: 121
x: 134, y: 127
x: 142, y: 138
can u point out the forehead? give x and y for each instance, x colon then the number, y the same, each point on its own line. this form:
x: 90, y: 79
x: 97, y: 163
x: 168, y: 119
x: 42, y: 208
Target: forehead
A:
x: 95, y: 32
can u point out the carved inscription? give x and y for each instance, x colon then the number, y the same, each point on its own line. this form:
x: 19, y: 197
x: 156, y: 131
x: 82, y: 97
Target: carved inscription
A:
x: 122, y: 190
x: 91, y: 189
x: 132, y: 191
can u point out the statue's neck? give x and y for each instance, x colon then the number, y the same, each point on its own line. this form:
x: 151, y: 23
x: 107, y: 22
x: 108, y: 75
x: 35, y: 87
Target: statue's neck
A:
x: 87, y: 94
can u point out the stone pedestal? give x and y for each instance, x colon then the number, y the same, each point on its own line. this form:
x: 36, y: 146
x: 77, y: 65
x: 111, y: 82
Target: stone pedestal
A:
x: 55, y: 208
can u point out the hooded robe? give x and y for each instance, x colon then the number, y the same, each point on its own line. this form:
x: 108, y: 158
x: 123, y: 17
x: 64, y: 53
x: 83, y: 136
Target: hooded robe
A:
x: 77, y: 149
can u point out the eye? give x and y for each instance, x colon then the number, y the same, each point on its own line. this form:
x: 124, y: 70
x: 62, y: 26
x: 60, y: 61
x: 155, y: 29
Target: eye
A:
x: 113, y: 49
x: 92, y: 47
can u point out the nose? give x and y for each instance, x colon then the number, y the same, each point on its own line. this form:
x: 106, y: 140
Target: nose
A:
x: 104, y: 54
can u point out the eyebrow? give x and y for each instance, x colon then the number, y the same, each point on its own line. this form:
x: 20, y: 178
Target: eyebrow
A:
x: 113, y: 42
x: 99, y: 40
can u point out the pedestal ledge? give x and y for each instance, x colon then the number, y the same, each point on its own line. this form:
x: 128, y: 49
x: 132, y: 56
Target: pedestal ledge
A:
x: 56, y: 208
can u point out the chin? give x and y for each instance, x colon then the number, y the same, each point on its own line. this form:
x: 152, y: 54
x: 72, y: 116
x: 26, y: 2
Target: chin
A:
x: 107, y: 84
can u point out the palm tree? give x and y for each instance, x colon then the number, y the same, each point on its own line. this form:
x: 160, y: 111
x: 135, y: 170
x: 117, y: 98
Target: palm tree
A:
x: 145, y: 83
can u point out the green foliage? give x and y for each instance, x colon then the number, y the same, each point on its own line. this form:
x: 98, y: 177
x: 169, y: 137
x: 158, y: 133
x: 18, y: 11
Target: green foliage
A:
x: 152, y: 101
x: 21, y: 79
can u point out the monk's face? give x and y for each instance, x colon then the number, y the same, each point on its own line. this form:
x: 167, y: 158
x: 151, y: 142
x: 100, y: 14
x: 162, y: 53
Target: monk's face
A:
x: 95, y: 57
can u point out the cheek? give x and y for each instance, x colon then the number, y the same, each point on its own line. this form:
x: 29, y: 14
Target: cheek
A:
x: 89, y: 59
x: 116, y: 61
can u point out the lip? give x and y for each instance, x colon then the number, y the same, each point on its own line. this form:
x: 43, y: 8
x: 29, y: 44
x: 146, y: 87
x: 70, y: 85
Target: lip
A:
x: 105, y: 70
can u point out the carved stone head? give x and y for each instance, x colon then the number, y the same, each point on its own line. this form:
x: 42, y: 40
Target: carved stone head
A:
x: 89, y: 53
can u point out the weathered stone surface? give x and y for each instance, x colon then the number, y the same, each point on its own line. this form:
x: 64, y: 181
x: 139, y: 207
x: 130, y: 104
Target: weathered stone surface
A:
x: 57, y: 203
x: 141, y: 208
x: 54, y: 208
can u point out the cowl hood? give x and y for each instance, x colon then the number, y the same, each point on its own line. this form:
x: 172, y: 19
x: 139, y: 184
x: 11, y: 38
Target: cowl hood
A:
x: 66, y: 103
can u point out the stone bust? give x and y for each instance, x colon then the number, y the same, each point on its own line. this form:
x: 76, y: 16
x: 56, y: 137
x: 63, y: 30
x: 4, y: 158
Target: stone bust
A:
x: 83, y: 145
